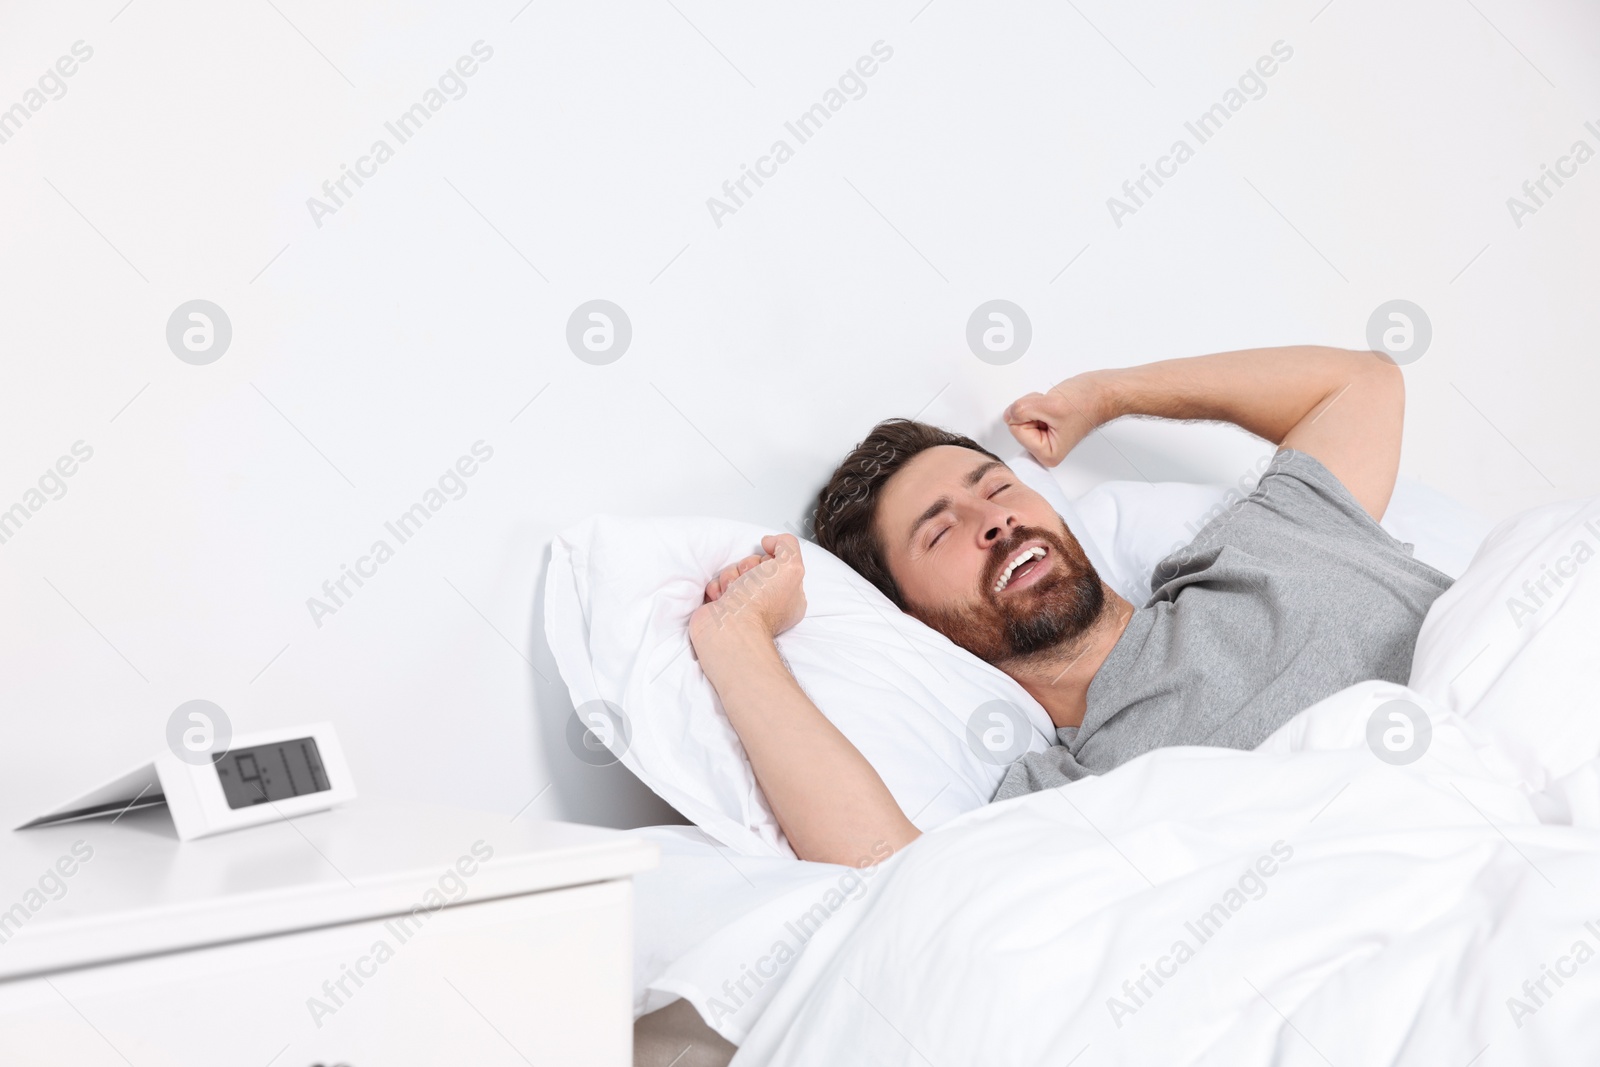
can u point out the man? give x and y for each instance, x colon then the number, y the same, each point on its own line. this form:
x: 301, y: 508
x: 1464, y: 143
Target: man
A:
x: 1285, y: 599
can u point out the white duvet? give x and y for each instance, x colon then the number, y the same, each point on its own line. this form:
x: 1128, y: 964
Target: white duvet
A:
x: 1305, y: 903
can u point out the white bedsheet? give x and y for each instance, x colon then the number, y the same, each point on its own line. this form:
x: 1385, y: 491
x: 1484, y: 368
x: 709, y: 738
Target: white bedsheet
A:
x: 1441, y: 912
x: 691, y: 915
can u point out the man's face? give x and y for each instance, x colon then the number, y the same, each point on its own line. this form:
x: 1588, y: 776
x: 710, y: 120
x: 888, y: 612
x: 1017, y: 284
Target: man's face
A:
x: 982, y: 558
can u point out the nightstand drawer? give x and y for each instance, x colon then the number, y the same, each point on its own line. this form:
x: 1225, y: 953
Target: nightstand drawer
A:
x: 541, y: 978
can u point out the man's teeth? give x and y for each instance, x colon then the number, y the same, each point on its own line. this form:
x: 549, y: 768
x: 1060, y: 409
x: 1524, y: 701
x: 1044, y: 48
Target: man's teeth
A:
x: 1035, y: 552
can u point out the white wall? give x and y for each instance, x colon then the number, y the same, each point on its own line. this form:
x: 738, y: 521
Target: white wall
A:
x: 370, y: 352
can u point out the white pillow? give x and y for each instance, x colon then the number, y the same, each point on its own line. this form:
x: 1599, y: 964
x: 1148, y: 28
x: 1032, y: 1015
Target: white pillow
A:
x: 1512, y: 643
x: 1444, y: 533
x: 617, y: 605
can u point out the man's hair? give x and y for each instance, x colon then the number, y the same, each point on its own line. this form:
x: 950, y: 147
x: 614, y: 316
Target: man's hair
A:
x: 847, y: 507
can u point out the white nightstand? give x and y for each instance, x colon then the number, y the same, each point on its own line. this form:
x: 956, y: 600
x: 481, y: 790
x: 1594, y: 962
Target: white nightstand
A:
x: 375, y: 935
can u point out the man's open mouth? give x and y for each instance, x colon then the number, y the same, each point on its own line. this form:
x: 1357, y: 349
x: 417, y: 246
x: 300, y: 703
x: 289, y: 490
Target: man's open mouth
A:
x: 1024, y: 567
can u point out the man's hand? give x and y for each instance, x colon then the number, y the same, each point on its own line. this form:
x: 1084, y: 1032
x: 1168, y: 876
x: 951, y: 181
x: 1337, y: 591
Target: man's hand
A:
x: 763, y: 594
x: 1050, y: 425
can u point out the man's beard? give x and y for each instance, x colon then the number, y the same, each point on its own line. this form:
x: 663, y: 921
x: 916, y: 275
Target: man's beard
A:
x: 1051, y: 614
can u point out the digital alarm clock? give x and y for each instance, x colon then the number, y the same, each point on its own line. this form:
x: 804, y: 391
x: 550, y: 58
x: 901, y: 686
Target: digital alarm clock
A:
x: 259, y: 778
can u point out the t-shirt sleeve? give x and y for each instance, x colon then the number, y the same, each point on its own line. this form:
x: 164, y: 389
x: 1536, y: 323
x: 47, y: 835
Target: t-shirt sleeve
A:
x: 1310, y: 484
x: 1296, y: 492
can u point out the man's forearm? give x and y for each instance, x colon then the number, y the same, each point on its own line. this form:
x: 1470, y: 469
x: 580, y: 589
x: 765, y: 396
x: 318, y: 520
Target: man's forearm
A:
x: 1345, y: 409
x: 829, y: 801
x: 1267, y: 391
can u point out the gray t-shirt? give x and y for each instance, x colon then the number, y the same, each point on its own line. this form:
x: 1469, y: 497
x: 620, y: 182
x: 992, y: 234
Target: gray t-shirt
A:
x: 1290, y: 595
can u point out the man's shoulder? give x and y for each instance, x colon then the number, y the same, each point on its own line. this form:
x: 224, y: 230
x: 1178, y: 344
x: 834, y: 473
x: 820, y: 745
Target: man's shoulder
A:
x: 1297, y: 500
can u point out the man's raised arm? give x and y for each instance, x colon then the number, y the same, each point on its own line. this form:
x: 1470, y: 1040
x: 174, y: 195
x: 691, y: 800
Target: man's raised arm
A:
x: 1344, y: 408
x: 829, y: 801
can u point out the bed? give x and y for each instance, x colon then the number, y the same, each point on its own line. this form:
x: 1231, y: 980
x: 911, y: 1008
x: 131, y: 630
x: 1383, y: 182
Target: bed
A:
x: 1159, y: 913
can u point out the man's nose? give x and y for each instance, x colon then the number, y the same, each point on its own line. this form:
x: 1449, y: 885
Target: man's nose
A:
x: 997, y: 525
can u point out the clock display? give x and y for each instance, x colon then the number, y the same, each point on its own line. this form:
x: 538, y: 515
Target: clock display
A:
x: 271, y: 772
